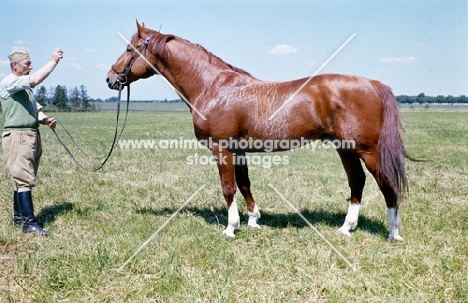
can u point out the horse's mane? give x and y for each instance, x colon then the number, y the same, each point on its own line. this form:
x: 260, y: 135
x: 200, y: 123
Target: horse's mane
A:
x: 158, y: 45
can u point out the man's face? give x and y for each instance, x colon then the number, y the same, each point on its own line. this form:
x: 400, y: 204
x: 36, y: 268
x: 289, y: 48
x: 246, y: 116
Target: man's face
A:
x: 22, y: 67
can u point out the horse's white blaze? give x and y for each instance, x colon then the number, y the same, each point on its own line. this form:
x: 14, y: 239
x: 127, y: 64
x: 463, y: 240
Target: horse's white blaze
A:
x: 394, y: 221
x: 253, y: 218
x: 233, y: 221
x: 350, y: 220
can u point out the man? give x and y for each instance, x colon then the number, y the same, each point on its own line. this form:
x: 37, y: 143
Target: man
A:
x: 21, y: 140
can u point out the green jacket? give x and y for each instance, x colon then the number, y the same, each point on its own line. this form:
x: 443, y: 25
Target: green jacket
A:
x: 18, y: 104
x: 19, y: 111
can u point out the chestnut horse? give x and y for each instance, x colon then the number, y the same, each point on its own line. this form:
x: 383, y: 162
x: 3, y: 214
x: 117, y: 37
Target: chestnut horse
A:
x: 228, y: 103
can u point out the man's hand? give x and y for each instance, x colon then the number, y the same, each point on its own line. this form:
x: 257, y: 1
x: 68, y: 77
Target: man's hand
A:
x: 36, y: 78
x: 57, y: 55
x: 50, y: 122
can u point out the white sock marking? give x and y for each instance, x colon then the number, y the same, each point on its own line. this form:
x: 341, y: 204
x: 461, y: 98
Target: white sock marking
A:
x: 394, y: 222
x: 351, y: 219
x: 253, y: 218
x: 233, y: 220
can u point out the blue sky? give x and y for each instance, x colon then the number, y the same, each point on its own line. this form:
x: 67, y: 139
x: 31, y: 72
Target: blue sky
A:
x: 411, y: 45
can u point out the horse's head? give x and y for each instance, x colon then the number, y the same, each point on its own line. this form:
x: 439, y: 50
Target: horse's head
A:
x: 130, y: 66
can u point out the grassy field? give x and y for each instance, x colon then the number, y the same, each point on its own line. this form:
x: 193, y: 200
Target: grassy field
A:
x: 99, y: 220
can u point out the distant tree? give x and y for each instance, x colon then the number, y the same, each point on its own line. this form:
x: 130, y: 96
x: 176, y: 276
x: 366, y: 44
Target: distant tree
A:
x: 462, y: 99
x: 84, y: 98
x: 440, y: 99
x: 111, y: 99
x: 60, y: 99
x: 450, y: 99
x: 430, y: 99
x: 74, y: 97
x: 403, y: 99
x: 421, y: 98
x: 41, y: 96
x: 50, y: 95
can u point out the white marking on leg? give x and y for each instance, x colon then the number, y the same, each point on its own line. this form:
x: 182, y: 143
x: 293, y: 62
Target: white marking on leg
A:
x: 233, y: 221
x: 351, y: 220
x: 394, y: 222
x: 253, y: 218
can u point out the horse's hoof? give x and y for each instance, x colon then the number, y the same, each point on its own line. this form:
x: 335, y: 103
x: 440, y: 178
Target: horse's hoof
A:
x: 395, y: 239
x: 254, y: 226
x: 340, y: 231
x: 227, y: 235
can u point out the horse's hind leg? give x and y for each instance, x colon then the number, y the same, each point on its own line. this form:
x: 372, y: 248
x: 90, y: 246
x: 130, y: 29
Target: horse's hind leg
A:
x: 243, y: 183
x: 394, y: 219
x: 390, y: 197
x: 356, y: 181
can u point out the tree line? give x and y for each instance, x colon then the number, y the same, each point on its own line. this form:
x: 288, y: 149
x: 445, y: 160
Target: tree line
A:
x: 423, y: 99
x: 61, y: 98
x: 74, y: 98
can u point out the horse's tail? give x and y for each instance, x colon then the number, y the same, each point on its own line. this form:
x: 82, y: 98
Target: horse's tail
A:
x: 390, y: 169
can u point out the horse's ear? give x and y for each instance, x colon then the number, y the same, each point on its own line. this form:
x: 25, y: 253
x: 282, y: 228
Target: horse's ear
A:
x: 140, y: 27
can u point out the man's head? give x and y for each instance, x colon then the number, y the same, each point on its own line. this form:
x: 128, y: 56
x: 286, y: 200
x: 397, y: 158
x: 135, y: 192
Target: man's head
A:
x: 20, y: 62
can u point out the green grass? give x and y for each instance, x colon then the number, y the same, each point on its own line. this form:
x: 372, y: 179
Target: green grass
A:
x: 98, y: 220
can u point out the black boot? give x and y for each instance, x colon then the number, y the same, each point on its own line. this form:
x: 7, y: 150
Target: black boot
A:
x: 27, y: 211
x: 17, y: 217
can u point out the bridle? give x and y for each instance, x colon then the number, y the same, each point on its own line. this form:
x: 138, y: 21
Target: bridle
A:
x: 122, y: 80
x: 122, y: 76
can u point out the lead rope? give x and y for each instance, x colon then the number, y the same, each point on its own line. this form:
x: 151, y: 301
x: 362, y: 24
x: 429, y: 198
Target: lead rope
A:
x: 113, y: 145
x: 74, y: 142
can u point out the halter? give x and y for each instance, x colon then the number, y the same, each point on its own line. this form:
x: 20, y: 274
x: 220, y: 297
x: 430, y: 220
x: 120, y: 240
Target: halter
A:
x: 122, y: 76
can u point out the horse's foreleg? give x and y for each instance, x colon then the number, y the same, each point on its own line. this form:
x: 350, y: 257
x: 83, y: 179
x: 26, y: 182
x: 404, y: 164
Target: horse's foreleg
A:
x: 243, y: 183
x: 356, y: 181
x: 226, y: 171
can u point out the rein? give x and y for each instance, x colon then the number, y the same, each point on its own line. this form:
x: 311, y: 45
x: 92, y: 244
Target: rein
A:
x: 113, y: 145
x: 122, y: 80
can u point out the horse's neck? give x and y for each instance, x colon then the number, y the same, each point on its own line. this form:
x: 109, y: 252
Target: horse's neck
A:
x: 191, y: 69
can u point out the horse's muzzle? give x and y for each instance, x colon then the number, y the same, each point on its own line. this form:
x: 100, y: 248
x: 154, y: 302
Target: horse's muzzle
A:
x: 113, y: 82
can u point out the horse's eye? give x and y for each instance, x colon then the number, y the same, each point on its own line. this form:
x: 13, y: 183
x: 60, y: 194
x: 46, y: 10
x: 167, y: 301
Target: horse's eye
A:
x: 129, y: 49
